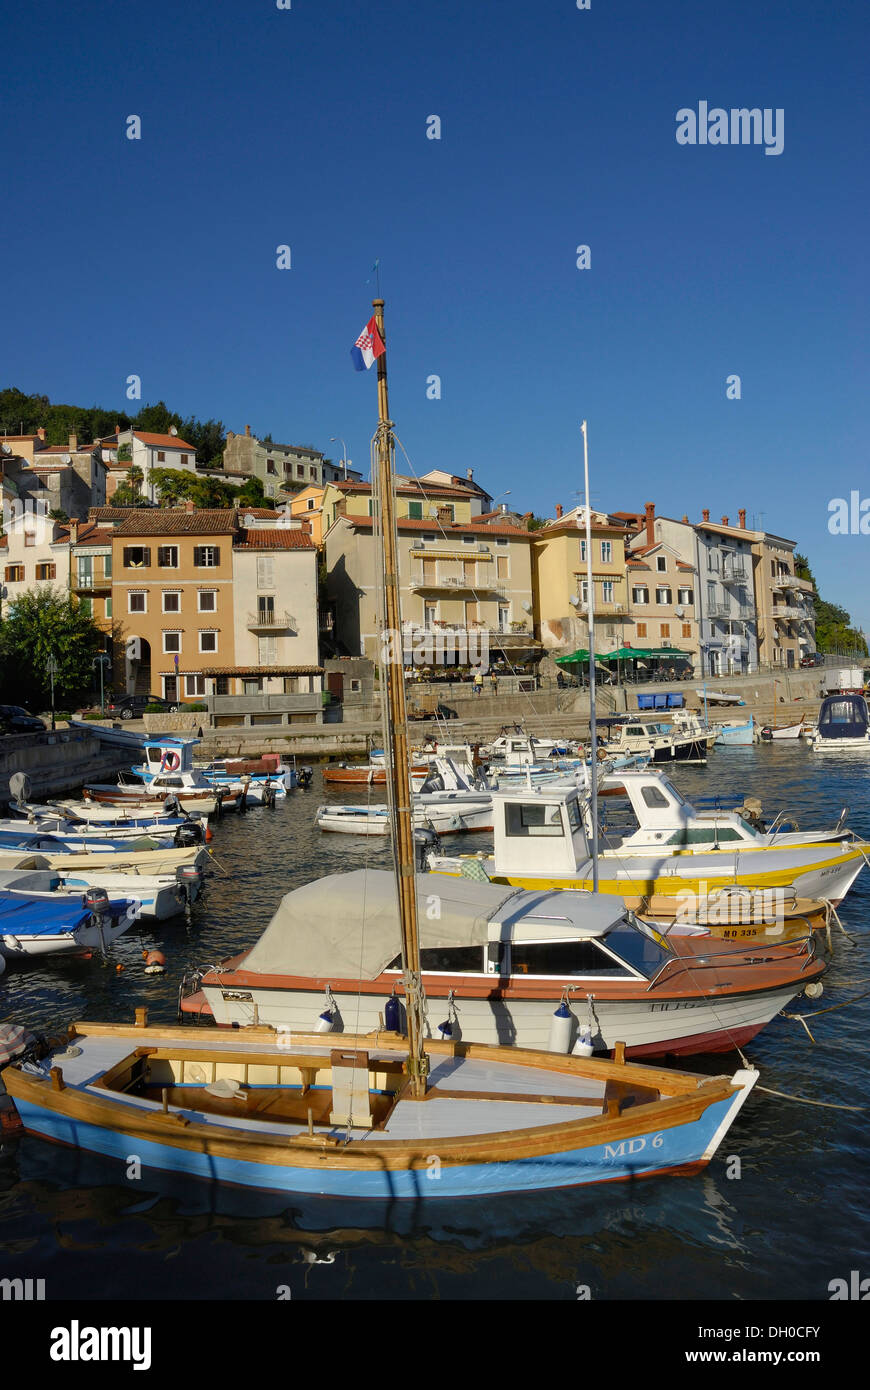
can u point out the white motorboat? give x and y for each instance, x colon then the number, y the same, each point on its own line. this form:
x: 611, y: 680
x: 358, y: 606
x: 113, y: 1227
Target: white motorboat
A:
x: 843, y: 725
x: 660, y: 742
x: 41, y: 920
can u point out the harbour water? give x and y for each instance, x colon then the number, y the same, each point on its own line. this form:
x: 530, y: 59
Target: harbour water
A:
x: 778, y: 1216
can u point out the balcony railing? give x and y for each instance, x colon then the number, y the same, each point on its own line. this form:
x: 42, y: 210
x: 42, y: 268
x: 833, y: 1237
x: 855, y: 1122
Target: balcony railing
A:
x: 270, y: 619
x: 734, y: 574
x: 787, y: 612
x: 459, y: 582
x: 720, y: 610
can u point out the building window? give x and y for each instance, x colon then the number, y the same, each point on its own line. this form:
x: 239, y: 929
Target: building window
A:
x: 429, y: 539
x: 172, y: 641
x: 30, y: 538
x: 661, y: 563
x: 222, y: 685
x: 251, y: 686
x: 687, y: 629
x: 666, y: 631
x: 184, y: 460
x: 713, y: 561
x: 501, y: 540
x: 640, y: 594
x: 108, y: 608
x: 686, y: 596
x: 270, y: 466
x: 311, y: 504
x: 208, y: 641
x: 14, y: 574
x: 137, y: 603
x: 663, y: 595
x: 300, y: 470
x: 504, y: 618
x: 194, y: 685
x: 207, y: 601
x: 641, y: 630
x: 206, y: 557
x: 171, y: 601
x: 167, y: 557
x: 606, y: 552
x: 85, y: 571
x: 468, y: 540
x: 415, y: 511
x: 265, y: 571
x: 582, y: 550
x: 137, y: 557
x: 267, y: 651
x: 355, y: 686
x: 607, y: 590
x: 46, y: 571
x: 107, y: 566
x: 161, y: 456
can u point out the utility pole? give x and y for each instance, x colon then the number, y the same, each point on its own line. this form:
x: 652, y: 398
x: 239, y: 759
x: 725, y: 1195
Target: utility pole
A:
x: 51, y: 668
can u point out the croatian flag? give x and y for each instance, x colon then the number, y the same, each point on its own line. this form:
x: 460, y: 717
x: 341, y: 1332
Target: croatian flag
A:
x: 367, y: 347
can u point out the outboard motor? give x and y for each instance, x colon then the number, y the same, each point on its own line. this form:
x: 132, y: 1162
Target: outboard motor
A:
x: 268, y: 797
x: 188, y: 834
x: 426, y: 842
x: 96, y: 900
x: 171, y: 805
x: 304, y: 777
x: 189, y: 878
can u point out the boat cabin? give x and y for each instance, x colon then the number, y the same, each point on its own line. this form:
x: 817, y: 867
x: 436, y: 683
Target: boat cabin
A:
x: 168, y: 755
x: 844, y: 717
x: 539, y: 831
x: 654, y: 814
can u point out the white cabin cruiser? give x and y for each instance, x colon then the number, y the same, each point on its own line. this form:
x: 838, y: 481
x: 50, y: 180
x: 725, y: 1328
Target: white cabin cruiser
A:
x: 660, y: 741
x: 844, y: 725
x: 448, y: 804
x: 541, y: 842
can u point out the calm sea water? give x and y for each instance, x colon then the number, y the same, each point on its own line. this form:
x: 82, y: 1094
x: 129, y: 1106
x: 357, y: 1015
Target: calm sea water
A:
x: 796, y: 1217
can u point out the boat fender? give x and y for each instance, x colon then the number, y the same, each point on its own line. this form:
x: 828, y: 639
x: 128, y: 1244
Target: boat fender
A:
x: 583, y: 1046
x: 393, y: 1015
x: 445, y: 1029
x: 155, y: 962
x: 814, y: 990
x: 561, y: 1028
x: 325, y: 1021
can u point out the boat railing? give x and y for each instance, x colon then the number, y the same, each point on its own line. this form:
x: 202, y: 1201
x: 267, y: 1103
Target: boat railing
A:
x: 784, y: 949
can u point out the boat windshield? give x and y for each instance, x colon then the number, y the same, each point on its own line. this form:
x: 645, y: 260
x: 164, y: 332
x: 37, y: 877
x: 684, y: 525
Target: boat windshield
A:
x: 642, y: 952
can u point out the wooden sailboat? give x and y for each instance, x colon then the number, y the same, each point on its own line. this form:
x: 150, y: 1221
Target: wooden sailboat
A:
x: 370, y: 1117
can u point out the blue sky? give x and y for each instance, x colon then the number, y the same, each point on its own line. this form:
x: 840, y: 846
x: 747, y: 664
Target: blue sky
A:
x: 307, y: 127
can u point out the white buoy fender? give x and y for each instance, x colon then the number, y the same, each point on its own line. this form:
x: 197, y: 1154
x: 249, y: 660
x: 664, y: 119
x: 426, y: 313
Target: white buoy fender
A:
x: 583, y: 1046
x: 325, y: 1022
x: 561, y: 1027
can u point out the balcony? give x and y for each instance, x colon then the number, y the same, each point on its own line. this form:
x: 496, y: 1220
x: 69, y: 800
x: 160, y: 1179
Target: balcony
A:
x: 720, y: 610
x: 94, y: 582
x: 268, y: 620
x: 734, y: 574
x: 458, y: 583
x: 785, y: 612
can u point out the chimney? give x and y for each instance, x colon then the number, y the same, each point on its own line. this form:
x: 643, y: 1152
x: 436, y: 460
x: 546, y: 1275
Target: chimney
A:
x: 504, y: 508
x: 73, y: 443
x: 73, y: 532
x: 724, y: 521
x: 650, y: 513
x: 558, y: 511
x: 469, y: 473
x: 190, y: 505
x: 230, y: 436
x: 685, y: 517
x: 705, y: 515
x: 41, y: 433
x: 247, y: 431
x: 741, y: 518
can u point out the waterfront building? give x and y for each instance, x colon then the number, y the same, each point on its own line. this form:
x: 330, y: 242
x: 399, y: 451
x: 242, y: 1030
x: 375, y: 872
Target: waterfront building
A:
x: 784, y: 603
x: 466, y: 590
x: 561, y: 582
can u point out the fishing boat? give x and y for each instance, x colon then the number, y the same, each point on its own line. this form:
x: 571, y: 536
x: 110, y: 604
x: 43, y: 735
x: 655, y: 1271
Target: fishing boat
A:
x: 843, y: 725
x: 772, y: 732
x: 82, y: 842
x: 370, y: 774
x: 143, y: 858
x: 58, y: 923
x: 688, y: 722
x: 659, y: 741
x: 369, y: 1117
x: 652, y: 816
x: 160, y: 896
x: 534, y: 969
x: 447, y: 804
x: 293, y: 1114
x: 540, y: 841
x: 735, y: 735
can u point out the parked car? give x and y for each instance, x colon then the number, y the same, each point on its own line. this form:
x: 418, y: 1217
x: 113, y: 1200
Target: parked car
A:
x: 133, y: 706
x: 15, y: 720
x: 814, y: 659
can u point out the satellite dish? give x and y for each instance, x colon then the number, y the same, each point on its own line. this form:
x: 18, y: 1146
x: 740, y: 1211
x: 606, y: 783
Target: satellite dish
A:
x: 526, y: 607
x: 574, y: 601
x: 7, y: 448
x: 66, y: 458
x: 19, y: 786
x: 679, y: 612
x: 173, y: 430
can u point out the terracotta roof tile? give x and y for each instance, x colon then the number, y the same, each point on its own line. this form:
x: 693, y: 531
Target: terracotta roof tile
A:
x: 173, y: 521
x: 275, y: 538
x: 164, y: 441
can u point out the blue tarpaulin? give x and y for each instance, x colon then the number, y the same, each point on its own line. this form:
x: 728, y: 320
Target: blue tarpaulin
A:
x: 21, y: 915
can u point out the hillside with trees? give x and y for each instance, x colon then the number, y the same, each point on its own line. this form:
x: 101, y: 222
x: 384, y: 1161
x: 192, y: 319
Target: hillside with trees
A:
x: 834, y: 630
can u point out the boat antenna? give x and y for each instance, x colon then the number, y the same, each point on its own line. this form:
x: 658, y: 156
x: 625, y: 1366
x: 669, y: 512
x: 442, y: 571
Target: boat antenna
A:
x: 396, y: 728
x: 593, y: 731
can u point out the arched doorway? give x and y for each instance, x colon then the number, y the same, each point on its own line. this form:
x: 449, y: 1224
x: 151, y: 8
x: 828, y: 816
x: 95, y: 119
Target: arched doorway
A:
x: 138, y: 666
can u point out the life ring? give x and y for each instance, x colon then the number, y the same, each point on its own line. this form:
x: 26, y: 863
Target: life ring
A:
x: 170, y: 762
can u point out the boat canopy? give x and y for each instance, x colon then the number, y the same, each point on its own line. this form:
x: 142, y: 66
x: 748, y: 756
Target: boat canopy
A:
x: 843, y: 716
x: 22, y: 916
x: 347, y: 925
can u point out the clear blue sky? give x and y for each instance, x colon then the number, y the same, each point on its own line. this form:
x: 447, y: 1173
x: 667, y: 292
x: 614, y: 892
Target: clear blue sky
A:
x: 307, y: 127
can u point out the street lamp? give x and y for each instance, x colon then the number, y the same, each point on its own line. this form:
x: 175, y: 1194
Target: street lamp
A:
x: 102, y: 660
x: 51, y: 669
x: 337, y: 439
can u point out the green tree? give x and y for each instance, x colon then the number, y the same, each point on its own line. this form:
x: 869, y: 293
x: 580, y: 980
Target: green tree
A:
x: 834, y: 630
x: 129, y: 494
x: 251, y: 493
x: 172, y: 485
x: 41, y: 623
x: 157, y: 419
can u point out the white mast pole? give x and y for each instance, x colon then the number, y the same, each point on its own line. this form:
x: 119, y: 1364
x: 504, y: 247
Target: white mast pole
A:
x: 593, y: 735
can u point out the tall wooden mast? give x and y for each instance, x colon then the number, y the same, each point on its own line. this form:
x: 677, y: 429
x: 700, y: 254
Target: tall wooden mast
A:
x: 396, y: 732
